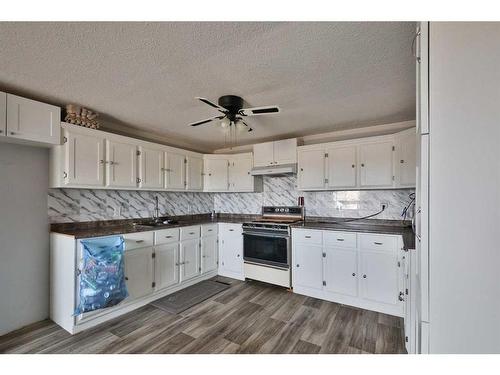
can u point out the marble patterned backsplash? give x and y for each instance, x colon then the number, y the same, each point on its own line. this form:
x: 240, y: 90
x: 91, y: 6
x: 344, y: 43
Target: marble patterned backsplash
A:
x: 73, y: 205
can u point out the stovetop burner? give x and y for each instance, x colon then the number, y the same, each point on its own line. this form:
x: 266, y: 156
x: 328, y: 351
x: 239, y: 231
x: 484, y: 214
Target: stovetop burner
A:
x: 276, y: 218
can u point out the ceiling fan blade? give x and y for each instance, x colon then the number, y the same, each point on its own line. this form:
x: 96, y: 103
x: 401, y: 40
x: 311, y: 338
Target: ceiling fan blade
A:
x: 259, y: 110
x: 207, y: 120
x: 216, y: 106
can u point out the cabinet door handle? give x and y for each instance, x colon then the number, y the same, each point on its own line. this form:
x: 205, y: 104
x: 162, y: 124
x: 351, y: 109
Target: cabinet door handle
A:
x: 238, y: 255
x: 364, y: 276
x: 353, y: 274
x: 126, y: 278
x: 101, y: 161
x: 12, y: 133
x: 353, y: 166
x: 298, y: 265
x: 378, y: 243
x: 340, y: 239
x: 362, y: 165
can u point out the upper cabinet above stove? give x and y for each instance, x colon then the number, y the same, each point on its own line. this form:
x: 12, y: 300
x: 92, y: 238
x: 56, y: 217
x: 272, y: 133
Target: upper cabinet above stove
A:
x: 28, y: 121
x: 381, y: 162
x: 275, y: 153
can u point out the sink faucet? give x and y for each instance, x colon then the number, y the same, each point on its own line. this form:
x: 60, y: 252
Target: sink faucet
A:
x: 156, y: 212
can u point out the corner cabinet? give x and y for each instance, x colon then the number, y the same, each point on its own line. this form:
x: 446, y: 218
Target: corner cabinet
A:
x: 28, y: 121
x: 381, y: 162
x: 230, y: 173
x: 359, y: 269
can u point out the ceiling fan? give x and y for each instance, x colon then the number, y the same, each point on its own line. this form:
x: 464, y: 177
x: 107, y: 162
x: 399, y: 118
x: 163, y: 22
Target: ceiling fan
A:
x: 233, y: 112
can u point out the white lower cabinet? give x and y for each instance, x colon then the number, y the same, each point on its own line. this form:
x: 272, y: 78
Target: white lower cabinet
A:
x: 231, y: 251
x: 208, y: 254
x: 139, y: 272
x: 166, y: 265
x: 362, y: 270
x: 190, y: 259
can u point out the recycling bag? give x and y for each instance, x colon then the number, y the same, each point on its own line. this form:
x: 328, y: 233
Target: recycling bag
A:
x: 102, y: 278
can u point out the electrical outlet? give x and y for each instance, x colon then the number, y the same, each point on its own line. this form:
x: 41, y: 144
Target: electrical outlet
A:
x: 384, y: 206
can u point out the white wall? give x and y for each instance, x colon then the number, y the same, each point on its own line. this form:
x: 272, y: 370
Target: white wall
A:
x: 24, y: 238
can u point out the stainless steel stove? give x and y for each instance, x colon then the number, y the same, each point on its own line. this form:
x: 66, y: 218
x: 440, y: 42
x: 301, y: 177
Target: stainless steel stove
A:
x: 267, y: 244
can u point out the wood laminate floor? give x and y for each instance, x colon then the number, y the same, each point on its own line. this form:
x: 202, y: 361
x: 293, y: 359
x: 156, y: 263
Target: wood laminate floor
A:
x: 249, y: 317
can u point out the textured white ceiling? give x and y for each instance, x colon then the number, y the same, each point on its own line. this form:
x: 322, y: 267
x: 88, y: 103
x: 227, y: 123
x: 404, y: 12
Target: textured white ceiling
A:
x: 324, y: 76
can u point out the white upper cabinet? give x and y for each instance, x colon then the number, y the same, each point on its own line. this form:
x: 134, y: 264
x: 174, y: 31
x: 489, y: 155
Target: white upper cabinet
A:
x: 240, y: 178
x: 275, y: 153
x: 175, y: 171
x: 3, y: 114
x: 121, y: 164
x: 33, y: 121
x: 194, y: 173
x: 341, y: 165
x: 150, y: 168
x: 376, y: 164
x: 263, y: 154
x: 216, y: 174
x: 406, y: 163
x: 311, y: 169
x: 84, y: 156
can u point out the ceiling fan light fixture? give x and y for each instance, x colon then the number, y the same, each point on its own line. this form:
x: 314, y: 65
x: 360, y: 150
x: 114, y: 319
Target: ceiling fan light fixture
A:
x: 240, y: 126
x: 225, y: 123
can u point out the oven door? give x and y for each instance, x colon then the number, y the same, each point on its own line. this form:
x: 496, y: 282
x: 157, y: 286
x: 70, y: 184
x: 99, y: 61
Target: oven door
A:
x: 267, y: 248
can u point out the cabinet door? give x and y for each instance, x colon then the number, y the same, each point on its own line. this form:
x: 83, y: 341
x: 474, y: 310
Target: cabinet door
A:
x: 166, y: 265
x: 208, y: 254
x: 151, y: 168
x: 190, y: 259
x: 406, y: 153
x: 194, y: 172
x: 3, y: 114
x: 240, y: 178
x: 216, y: 175
x: 285, y: 151
x: 32, y: 120
x: 121, y: 162
x: 341, y: 271
x: 379, y: 277
x: 376, y: 164
x: 175, y: 177
x: 342, y: 167
x: 84, y: 159
x: 308, y: 266
x: 231, y: 251
x: 311, y: 169
x: 263, y: 154
x: 139, y: 272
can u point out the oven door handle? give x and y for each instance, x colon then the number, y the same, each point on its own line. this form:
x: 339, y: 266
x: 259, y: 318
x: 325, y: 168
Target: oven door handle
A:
x: 272, y: 235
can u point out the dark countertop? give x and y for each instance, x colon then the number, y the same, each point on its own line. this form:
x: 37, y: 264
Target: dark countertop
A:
x: 396, y: 227
x: 113, y: 227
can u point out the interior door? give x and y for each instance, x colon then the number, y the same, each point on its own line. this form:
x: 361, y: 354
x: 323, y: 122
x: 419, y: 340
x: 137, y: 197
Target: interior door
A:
x: 208, y: 254
x: 84, y: 159
x: 194, y: 173
x: 190, y: 259
x: 151, y: 168
x: 239, y: 175
x: 216, y: 175
x: 121, y: 163
x: 308, y: 266
x: 175, y: 171
x: 32, y: 120
x: 376, y: 164
x: 379, y: 277
x: 341, y: 271
x: 139, y: 272
x: 311, y: 166
x: 166, y: 265
x: 342, y: 167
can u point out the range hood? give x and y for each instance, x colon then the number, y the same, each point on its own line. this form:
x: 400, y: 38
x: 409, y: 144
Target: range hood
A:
x: 275, y: 170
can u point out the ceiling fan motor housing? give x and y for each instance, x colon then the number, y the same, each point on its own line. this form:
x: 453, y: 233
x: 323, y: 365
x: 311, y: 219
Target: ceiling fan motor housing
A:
x: 232, y: 103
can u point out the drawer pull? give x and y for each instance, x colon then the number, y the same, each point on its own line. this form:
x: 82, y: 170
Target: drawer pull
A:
x: 191, y: 233
x: 209, y: 230
x: 139, y: 241
x: 231, y: 230
x: 168, y: 236
x: 308, y: 236
x: 378, y: 243
x: 340, y: 239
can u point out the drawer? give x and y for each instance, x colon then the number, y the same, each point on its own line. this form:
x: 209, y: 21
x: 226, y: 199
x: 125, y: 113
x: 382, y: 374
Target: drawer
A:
x: 138, y: 240
x: 226, y: 228
x: 378, y: 242
x: 209, y: 230
x: 308, y: 236
x: 166, y: 236
x: 340, y: 239
x: 190, y: 233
